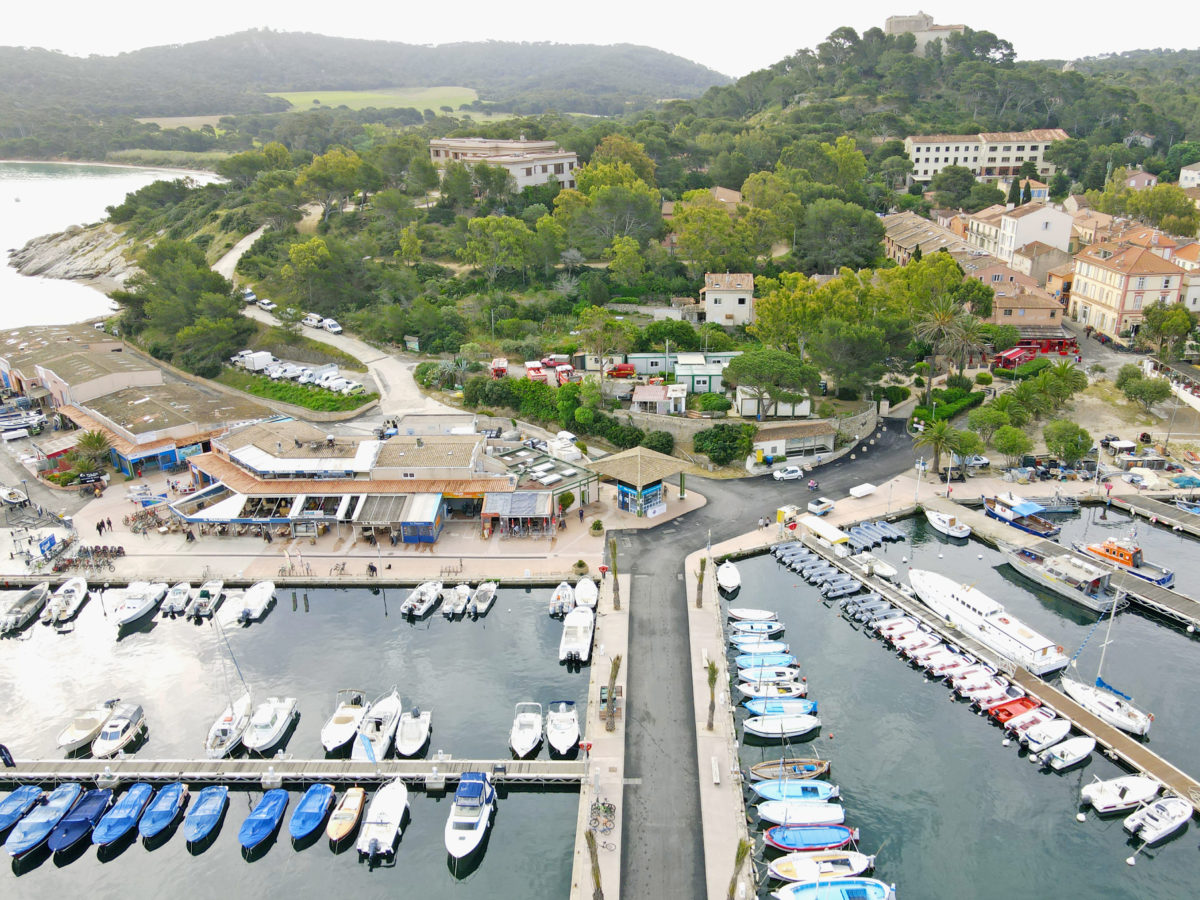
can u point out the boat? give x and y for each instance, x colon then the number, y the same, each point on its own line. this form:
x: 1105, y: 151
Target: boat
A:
x: 205, y: 813
x: 1005, y: 712
x: 79, y: 822
x: 128, y: 605
x: 226, y: 732
x: 837, y: 889
x: 979, y: 616
x: 413, y: 732
x: 12, y: 496
x: 562, y: 601
x: 780, y: 726
x: 37, y: 824
x: 562, y: 726
x: 177, y: 599
x: 1119, y: 794
x: 124, y: 815
x: 482, y: 599
x: 345, y: 817
x: 377, y: 837
x: 759, y: 660
x: 24, y: 607
x: 269, y: 724
x: 263, y: 819
x: 996, y: 695
x: 1017, y: 727
x: 255, y: 602
x: 85, y: 727
x: 16, y: 803
x: 826, y: 864
x: 801, y: 812
x: 349, y: 709
x: 1159, y: 819
x: 729, y: 579
x: 761, y: 706
x: 1068, y: 753
x: 772, y: 690
x: 526, y: 732
x: 586, y: 593
x: 1066, y: 575
x: 794, y: 789
x: 1126, y: 555
x: 946, y: 524
x: 455, y: 600
x: 470, y: 814
x: 759, y: 674
x: 310, y: 812
x: 423, y: 598
x: 1020, y: 514
x: 756, y: 643
x: 378, y: 728
x: 66, y: 602
x: 123, y: 726
x: 870, y: 564
x: 206, y: 601
x: 1103, y: 700
x: 810, y: 837
x: 796, y: 767
x: 163, y: 810
x: 1190, y: 506
x: 760, y: 627
x: 575, y: 645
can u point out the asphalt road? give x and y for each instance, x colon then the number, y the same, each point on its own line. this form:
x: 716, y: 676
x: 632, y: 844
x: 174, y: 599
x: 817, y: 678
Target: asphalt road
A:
x: 662, y: 846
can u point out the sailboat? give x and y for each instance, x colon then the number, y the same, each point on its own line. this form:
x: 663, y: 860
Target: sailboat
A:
x: 226, y: 732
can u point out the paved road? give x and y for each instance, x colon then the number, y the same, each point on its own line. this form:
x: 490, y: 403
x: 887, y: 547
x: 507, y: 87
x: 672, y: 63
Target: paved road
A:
x: 662, y: 846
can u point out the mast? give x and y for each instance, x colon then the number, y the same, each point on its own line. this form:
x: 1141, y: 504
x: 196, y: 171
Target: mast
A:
x: 1112, y: 614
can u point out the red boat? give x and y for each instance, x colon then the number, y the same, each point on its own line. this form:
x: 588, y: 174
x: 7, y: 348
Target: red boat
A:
x: 1013, y: 708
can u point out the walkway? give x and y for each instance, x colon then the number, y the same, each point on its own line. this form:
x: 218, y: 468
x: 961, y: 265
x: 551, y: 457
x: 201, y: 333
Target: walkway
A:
x: 1166, y: 514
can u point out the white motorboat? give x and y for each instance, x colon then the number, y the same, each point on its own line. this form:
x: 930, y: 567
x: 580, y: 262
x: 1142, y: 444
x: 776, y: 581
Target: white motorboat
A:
x: 128, y: 605
x: 760, y: 674
x: 413, y: 732
x: 385, y: 816
x: 85, y: 726
x: 269, y: 724
x: 1119, y: 794
x: 1045, y: 734
x: 455, y: 600
x: 255, y: 602
x: 562, y: 601
x: 226, y: 732
x: 378, y: 728
x: 470, y: 814
x: 1069, y: 753
x: 65, y: 603
x: 946, y: 524
x: 1159, y: 819
x: 870, y: 564
x: 562, y: 726
x: 1066, y: 575
x: 24, y: 607
x: 575, y: 645
x: 586, y: 593
x: 801, y: 812
x: 784, y: 726
x: 422, y: 599
x: 772, y: 690
x: 206, y: 600
x: 482, y: 599
x: 757, y: 628
x: 729, y: 579
x: 526, y: 731
x: 979, y: 616
x: 177, y: 599
x: 1107, y: 706
x: 744, y: 613
x: 13, y: 496
x: 125, y: 724
x: 341, y: 727
x: 817, y: 865
x: 1018, y: 725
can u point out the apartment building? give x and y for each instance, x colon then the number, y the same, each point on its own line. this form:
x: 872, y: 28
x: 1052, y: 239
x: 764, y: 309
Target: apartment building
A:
x: 1114, y: 282
x: 529, y: 162
x: 1001, y: 231
x: 989, y: 155
x: 728, y: 298
x: 1189, y: 176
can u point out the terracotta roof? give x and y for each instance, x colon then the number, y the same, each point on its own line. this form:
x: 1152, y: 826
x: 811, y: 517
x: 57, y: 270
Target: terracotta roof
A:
x: 728, y: 281
x: 1128, y: 260
x: 1190, y: 253
x: 638, y: 467
x: 1027, y: 299
x: 1193, y: 193
x: 1145, y: 236
x: 1029, y: 209
x: 1037, y: 135
x: 785, y: 430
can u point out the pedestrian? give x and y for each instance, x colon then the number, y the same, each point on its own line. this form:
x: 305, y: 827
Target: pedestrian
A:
x: 760, y: 523
x: 108, y: 524
x: 100, y: 527
x: 581, y: 515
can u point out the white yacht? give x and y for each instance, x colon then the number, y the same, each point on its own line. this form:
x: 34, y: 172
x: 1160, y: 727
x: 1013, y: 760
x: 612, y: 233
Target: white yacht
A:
x: 256, y: 600
x: 226, y: 732
x: 342, y: 726
x: 982, y: 618
x: 125, y: 724
x: 482, y: 599
x: 562, y: 726
x: 177, y: 599
x: 206, y: 600
x: 378, y: 728
x: 24, y: 607
x: 127, y: 605
x: 470, y: 814
x: 269, y: 724
x: 85, y: 726
x: 575, y: 645
x: 413, y: 732
x: 1118, y: 794
x: 526, y: 731
x: 422, y: 599
x: 455, y: 600
x: 586, y: 593
x: 1159, y: 819
x: 385, y: 815
x: 65, y: 603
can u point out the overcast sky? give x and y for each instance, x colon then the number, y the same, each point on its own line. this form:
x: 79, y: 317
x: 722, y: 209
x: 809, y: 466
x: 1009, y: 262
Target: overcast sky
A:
x: 731, y: 38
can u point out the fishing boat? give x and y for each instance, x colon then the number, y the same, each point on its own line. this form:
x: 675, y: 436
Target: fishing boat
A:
x: 177, y: 599
x: 979, y: 616
x: 349, y: 708
x: 80, y: 820
x: 795, y: 767
x: 757, y: 643
x: 1045, y: 734
x: 837, y: 889
x: 129, y: 605
x: 772, y: 690
x: 1119, y: 794
x: 205, y: 813
x: 413, y: 732
x: 801, y: 812
x: 206, y: 600
x: 778, y: 727
x: 763, y: 706
x: 1158, y: 820
x: 85, y: 727
x: 123, y: 727
x: 1020, y: 514
x: 377, y: 837
x: 744, y: 615
x: 310, y: 812
x: 826, y: 864
x: 470, y: 814
x: 759, y: 674
x: 1066, y: 575
x: 946, y: 524
x: 759, y: 660
x: 24, y: 608
x: 562, y: 601
x: 794, y: 789
x: 345, y: 817
x: 269, y: 724
x: 378, y: 728
x: 761, y: 628
x: 1068, y: 753
x: 226, y: 732
x: 163, y: 810
x: 575, y: 645
x: 255, y: 602
x: 124, y: 815
x: 37, y: 824
x: 14, y: 805
x: 562, y: 726
x: 263, y: 819
x: 1126, y: 555
x: 66, y: 602
x: 729, y: 579
x: 482, y: 599
x: 423, y: 598
x: 455, y: 600
x: 810, y: 837
x: 1103, y: 700
x: 586, y: 593
x: 526, y: 732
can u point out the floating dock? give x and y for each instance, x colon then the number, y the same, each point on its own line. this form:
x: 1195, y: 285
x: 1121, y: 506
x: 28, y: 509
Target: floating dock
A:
x: 1160, y: 513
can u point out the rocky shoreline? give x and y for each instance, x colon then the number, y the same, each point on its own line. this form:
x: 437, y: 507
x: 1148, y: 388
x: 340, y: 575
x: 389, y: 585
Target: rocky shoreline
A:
x: 93, y: 255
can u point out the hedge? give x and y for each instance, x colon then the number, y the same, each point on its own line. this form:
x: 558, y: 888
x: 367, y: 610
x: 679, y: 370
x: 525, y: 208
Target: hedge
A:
x: 895, y: 393
x: 951, y: 409
x: 1025, y: 370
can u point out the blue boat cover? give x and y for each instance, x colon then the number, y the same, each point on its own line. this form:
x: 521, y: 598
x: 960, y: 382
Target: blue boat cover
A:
x: 1027, y: 508
x: 162, y: 810
x: 205, y: 813
x: 16, y: 804
x: 80, y: 820
x: 471, y: 789
x: 124, y: 814
x: 310, y: 811
x: 38, y: 824
x: 1101, y: 683
x: 263, y: 818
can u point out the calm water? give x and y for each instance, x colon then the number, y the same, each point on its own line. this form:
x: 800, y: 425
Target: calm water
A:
x: 950, y: 812
x: 470, y: 674
x: 43, y: 198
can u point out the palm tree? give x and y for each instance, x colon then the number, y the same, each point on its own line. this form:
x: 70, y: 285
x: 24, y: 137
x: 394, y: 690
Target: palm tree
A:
x: 968, y: 340
x: 939, y: 437
x: 93, y: 448
x: 1070, y: 375
x: 712, y: 692
x: 1030, y: 396
x: 1017, y: 414
x: 938, y: 324
x: 1055, y: 391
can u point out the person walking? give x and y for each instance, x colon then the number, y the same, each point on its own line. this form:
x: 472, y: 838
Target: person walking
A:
x: 108, y: 524
x: 100, y: 527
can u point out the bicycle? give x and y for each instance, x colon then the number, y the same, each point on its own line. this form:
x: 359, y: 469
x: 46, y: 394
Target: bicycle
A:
x: 338, y: 569
x: 604, y: 826
x: 604, y: 808
x: 605, y: 845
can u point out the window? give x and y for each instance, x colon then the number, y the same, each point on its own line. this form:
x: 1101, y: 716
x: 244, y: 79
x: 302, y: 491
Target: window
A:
x: 1020, y: 148
x: 1045, y: 226
x: 654, y: 362
x: 1141, y: 283
x: 1166, y: 283
x: 558, y: 168
x: 1053, y: 313
x: 741, y: 301
x: 716, y: 301
x: 408, y: 474
x: 996, y: 277
x: 1020, y: 312
x: 1008, y: 312
x: 528, y: 171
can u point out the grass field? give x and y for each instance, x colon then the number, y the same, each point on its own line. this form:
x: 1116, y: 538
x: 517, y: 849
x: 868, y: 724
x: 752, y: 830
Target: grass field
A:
x: 385, y: 98
x: 192, y: 122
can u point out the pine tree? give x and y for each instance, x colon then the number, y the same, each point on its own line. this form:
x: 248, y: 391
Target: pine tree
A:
x: 1027, y: 195
x: 1014, y: 192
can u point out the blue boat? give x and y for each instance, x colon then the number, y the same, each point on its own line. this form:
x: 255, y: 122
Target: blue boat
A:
x: 837, y: 889
x: 124, y: 814
x: 1020, y: 513
x: 162, y: 810
x: 16, y: 804
x: 794, y: 789
x: 37, y: 825
x: 772, y: 706
x: 205, y: 813
x: 764, y: 660
x: 263, y: 819
x: 810, y: 837
x: 80, y: 821
x: 310, y: 811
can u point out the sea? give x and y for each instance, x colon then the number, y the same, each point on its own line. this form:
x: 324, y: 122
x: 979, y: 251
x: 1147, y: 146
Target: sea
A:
x: 949, y: 810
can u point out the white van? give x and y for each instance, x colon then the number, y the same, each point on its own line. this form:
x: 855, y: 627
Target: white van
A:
x: 336, y: 384
x: 267, y: 305
x: 312, y: 320
x: 332, y: 326
x: 249, y: 296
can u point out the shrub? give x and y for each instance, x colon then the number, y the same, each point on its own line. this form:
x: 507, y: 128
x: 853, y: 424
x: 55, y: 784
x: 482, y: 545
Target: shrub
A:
x: 1025, y: 370
x: 893, y: 393
x: 724, y: 443
x: 960, y: 382
x: 597, y: 526
x: 949, y: 408
x: 714, y: 402
x: 426, y: 373
x: 308, y: 396
x: 662, y: 441
x: 918, y: 381
x: 566, y: 499
x: 983, y: 378
x: 845, y: 393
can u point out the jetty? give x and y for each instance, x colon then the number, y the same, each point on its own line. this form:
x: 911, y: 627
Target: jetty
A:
x: 1159, y: 513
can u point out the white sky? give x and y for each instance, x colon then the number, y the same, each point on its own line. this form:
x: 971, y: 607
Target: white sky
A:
x: 731, y: 38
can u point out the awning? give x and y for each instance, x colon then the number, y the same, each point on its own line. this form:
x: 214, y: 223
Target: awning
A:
x: 823, y: 529
x: 1027, y: 508
x: 389, y: 509
x: 423, y: 509
x: 518, y: 505
x: 37, y: 392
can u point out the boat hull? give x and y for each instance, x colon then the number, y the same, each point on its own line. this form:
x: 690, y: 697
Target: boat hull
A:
x: 79, y: 822
x: 1108, y: 707
x: 1119, y: 794
x: 29, y: 833
x: 798, y: 767
x: 263, y: 819
x: 345, y: 817
x: 803, y: 837
x: 205, y: 813
x: 379, y: 831
x: 310, y: 811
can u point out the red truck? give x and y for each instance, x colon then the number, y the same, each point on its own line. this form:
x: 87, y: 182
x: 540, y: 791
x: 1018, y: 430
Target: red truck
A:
x: 621, y: 370
x: 534, y: 371
x: 566, y: 373
x: 499, y: 367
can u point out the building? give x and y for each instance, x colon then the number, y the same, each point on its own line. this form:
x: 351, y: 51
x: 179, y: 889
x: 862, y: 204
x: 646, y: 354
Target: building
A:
x: 997, y: 275
x: 730, y: 200
x: 921, y: 27
x: 905, y: 232
x: 1000, y: 231
x: 1146, y: 236
x: 1032, y: 311
x: 728, y: 298
x: 1037, y: 190
x: 663, y: 399
x: 639, y: 474
x: 792, y: 440
x: 1088, y: 226
x: 529, y: 162
x: 989, y: 155
x: 27, y: 354
x: 1059, y: 281
x: 1140, y: 181
x: 1189, y: 176
x: 747, y: 405
x: 1037, y: 259
x: 1114, y: 282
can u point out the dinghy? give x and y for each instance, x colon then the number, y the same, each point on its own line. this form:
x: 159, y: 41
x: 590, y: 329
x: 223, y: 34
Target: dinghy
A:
x: 760, y: 674
x: 126, y: 723
x: 15, y: 804
x: 586, y: 593
x: 80, y: 821
x: 526, y: 732
x: 269, y: 724
x: 562, y: 726
x: 761, y: 706
x: 226, y: 732
x: 837, y: 889
x: 1157, y: 820
x: 163, y: 810
x: 470, y: 814
x: 947, y: 524
x: 24, y: 608
x: 764, y: 660
x: 310, y: 811
x: 1119, y: 794
x: 1045, y: 734
x: 772, y: 690
x: 85, y: 727
x: 575, y: 645
x: 794, y: 789
x: 177, y: 599
x: 797, y: 767
x: 377, y: 837
x: 29, y: 833
x: 482, y: 599
x: 205, y: 813
x: 349, y: 708
x: 345, y: 818
x: 413, y: 732
x: 378, y: 728
x: 65, y: 603
x: 810, y: 837
x: 729, y: 579
x: 263, y: 819
x: 745, y: 613
x: 827, y: 863
x: 801, y: 812
x: 255, y: 602
x: 758, y: 627
x: 754, y: 643
x: 562, y: 601
x: 123, y: 816
x: 423, y: 598
x: 779, y: 727
x: 1068, y: 753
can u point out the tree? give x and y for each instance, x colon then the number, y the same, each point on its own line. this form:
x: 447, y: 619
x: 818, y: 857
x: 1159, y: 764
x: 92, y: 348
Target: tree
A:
x: 952, y: 185
x: 851, y: 352
x: 458, y: 188
x: 1012, y: 442
x: 1067, y: 441
x: 712, y: 673
x: 496, y: 243
x: 1166, y: 323
x: 1017, y: 414
x: 331, y: 178
x: 93, y: 449
x: 984, y: 420
x: 618, y: 148
x: 982, y: 196
x: 1070, y: 375
x: 786, y: 315
x: 940, y: 437
x: 969, y: 444
x: 603, y: 335
x: 837, y: 235
x: 662, y: 441
x: 724, y: 443
x: 290, y: 317
x: 546, y: 246
x: 306, y: 261
x: 1147, y: 391
x: 1014, y: 192
x: 772, y: 376
x: 409, y: 251
x: 626, y: 265
x: 1032, y: 397
x: 1127, y: 373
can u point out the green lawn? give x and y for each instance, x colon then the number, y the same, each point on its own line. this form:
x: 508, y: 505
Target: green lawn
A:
x: 385, y: 98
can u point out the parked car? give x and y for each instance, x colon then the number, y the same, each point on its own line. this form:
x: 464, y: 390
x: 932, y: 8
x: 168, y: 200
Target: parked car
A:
x: 791, y: 473
x: 312, y: 320
x: 353, y: 388
x: 332, y: 326
x: 267, y: 305
x: 336, y: 384
x: 249, y: 296
x: 1107, y: 440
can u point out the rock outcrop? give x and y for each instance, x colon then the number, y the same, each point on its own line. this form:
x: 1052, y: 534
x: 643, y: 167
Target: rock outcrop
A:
x: 94, y: 254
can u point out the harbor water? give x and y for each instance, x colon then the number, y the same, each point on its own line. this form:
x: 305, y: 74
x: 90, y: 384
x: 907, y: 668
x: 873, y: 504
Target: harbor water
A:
x: 951, y: 812
x: 469, y: 674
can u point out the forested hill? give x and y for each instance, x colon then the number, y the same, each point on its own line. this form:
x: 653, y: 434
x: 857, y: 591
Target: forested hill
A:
x: 231, y: 74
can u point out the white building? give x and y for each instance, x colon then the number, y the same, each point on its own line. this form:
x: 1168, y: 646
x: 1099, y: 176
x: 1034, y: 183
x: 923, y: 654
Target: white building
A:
x: 1000, y: 231
x: 1189, y: 176
x: 989, y: 155
x: 728, y: 298
x: 529, y: 162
